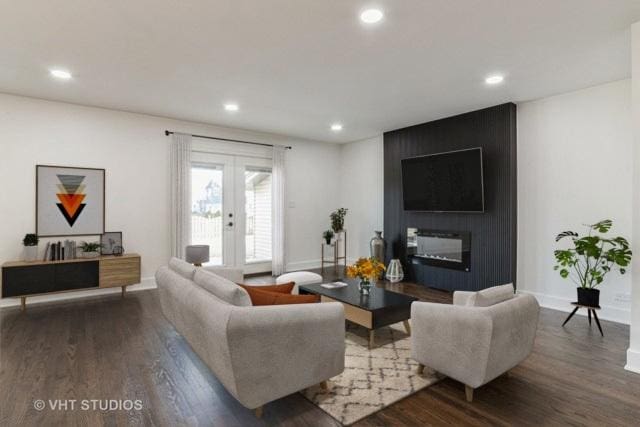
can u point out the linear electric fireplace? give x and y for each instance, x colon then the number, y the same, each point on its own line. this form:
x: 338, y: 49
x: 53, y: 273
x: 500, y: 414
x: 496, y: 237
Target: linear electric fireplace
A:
x: 440, y: 248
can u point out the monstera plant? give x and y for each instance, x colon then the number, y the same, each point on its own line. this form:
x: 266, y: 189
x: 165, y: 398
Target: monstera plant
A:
x: 590, y: 258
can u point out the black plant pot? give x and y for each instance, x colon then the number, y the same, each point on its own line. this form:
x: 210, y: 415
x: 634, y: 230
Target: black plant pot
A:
x: 589, y: 297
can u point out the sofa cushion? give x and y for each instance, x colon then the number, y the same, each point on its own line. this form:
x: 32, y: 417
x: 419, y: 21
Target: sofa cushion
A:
x: 262, y: 297
x: 285, y: 288
x: 182, y: 267
x: 222, y: 288
x: 491, y: 296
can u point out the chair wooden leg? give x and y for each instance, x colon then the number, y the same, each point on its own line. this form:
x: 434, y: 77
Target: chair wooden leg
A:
x: 468, y: 391
x: 407, y: 327
x: 420, y: 368
x: 324, y: 385
x: 258, y: 412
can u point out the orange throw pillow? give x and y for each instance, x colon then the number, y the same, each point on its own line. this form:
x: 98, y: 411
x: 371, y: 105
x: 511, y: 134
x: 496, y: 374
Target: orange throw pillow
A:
x: 285, y: 288
x: 261, y: 297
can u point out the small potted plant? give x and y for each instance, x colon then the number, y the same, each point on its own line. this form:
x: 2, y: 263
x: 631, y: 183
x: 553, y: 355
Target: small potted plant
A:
x: 337, y: 219
x: 91, y: 249
x: 327, y: 236
x: 367, y: 270
x: 590, y: 258
x: 30, y: 243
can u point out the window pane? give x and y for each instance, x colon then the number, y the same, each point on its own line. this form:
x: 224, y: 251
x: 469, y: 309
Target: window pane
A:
x: 206, y: 210
x: 258, y: 214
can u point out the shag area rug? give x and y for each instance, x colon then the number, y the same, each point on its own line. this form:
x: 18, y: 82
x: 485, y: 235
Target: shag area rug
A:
x: 373, y: 378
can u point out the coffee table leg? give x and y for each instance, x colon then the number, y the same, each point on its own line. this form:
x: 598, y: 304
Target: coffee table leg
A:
x: 407, y: 327
x: 372, y: 336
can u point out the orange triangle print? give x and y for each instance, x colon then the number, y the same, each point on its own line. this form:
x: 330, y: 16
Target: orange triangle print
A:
x: 71, y: 202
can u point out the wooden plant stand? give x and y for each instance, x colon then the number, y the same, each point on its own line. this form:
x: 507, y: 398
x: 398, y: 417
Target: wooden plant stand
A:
x: 590, y: 310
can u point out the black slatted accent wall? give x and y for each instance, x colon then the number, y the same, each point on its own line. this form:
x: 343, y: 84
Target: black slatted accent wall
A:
x: 493, y: 233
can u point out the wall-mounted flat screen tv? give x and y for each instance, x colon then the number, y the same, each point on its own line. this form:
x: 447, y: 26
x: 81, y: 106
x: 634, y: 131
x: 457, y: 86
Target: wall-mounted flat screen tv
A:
x: 444, y: 182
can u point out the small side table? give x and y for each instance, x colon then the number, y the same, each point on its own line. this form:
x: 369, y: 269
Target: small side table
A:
x: 590, y: 310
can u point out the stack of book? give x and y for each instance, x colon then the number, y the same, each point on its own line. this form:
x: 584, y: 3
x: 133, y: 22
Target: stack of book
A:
x: 60, y: 251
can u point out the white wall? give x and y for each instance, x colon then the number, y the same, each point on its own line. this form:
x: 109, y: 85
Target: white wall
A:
x: 574, y: 167
x: 361, y: 190
x: 633, y: 354
x: 134, y: 151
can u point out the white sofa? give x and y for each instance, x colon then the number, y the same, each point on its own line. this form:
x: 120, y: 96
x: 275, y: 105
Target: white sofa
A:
x: 259, y: 354
x: 478, y: 338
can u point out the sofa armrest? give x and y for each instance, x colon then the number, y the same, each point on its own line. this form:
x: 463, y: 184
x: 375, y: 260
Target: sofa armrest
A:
x: 453, y: 340
x: 236, y: 275
x: 279, y: 350
x: 461, y: 297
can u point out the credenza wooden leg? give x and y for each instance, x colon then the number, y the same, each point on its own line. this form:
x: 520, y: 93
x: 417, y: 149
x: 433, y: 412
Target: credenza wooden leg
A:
x: 372, y: 337
x: 124, y: 289
x: 23, y: 303
x: 420, y: 368
x: 324, y: 385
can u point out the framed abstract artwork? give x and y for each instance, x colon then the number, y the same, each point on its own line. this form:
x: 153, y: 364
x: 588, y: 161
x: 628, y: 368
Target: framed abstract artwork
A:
x: 69, y: 201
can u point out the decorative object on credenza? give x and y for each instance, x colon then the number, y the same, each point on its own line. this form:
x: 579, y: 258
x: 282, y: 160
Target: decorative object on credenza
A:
x: 90, y: 249
x: 197, y: 254
x: 337, y: 219
x: 30, y: 243
x: 590, y: 258
x: 365, y: 269
x: 377, y: 246
x: 69, y: 201
x: 109, y: 241
x: 118, y: 250
x: 395, y: 273
x: 327, y: 236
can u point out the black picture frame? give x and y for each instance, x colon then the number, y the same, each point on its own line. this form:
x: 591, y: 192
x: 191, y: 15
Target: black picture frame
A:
x: 108, y: 243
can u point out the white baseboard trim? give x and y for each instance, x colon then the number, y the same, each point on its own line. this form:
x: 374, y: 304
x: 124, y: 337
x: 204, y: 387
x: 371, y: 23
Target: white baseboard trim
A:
x: 633, y: 361
x: 147, y: 283
x: 302, y: 265
x: 614, y: 314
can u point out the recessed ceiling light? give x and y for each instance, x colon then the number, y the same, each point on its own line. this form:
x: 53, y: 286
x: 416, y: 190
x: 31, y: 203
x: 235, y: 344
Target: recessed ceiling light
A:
x: 494, y: 80
x: 371, y: 16
x: 60, y: 74
x: 231, y: 107
x: 336, y: 127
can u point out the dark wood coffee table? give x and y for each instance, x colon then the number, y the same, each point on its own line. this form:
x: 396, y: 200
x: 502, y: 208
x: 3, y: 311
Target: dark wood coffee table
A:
x: 379, y: 308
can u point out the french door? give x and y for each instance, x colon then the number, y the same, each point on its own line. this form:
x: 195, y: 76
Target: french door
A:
x: 231, y: 209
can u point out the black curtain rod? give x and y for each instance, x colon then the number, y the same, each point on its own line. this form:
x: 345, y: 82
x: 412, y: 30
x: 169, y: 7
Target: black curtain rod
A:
x: 169, y: 132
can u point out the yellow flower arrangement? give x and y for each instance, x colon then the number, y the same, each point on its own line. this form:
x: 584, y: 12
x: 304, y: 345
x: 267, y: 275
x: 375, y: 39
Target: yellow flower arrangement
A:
x: 365, y: 269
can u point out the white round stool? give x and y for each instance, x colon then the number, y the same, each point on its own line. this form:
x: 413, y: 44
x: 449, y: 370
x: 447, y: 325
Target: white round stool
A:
x: 300, y: 278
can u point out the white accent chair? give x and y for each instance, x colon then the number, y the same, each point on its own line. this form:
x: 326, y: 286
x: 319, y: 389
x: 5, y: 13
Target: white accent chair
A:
x: 478, y: 338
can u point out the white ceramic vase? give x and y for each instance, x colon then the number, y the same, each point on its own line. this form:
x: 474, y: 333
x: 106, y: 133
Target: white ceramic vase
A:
x: 30, y: 253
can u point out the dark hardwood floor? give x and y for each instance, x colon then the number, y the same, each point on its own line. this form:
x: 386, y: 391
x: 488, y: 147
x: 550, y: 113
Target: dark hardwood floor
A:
x: 112, y: 348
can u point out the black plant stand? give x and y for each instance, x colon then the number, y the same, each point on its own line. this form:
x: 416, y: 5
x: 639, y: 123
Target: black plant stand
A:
x: 589, y: 310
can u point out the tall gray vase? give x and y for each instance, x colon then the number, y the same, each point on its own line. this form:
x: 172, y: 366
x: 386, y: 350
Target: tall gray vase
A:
x: 378, y: 245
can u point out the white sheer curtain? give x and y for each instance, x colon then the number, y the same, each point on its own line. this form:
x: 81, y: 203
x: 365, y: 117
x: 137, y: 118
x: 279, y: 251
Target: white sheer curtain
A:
x: 180, y: 193
x: 278, y: 211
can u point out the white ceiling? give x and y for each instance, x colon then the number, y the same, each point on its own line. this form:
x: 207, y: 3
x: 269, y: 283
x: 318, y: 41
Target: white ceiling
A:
x: 296, y: 66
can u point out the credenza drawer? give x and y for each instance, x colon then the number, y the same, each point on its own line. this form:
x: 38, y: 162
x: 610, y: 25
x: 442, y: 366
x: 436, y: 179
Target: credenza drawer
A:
x: 119, y: 272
